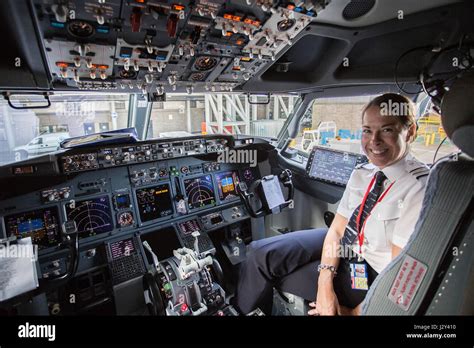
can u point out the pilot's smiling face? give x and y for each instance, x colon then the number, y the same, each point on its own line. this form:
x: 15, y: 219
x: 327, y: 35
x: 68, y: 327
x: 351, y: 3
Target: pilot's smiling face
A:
x: 384, y: 138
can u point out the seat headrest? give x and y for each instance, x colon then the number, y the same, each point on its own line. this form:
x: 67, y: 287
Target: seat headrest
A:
x: 457, y: 113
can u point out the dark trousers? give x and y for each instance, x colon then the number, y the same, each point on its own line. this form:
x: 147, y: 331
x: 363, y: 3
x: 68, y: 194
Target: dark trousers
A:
x: 289, y: 262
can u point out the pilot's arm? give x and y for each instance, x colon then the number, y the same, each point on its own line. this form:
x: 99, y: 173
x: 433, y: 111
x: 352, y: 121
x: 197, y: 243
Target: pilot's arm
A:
x: 326, y: 302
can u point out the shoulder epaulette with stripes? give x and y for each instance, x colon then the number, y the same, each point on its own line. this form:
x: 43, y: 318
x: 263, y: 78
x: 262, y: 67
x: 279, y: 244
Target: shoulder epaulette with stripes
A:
x: 420, y: 171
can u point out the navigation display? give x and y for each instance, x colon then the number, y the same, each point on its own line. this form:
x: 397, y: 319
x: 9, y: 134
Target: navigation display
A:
x: 41, y: 225
x: 226, y: 185
x: 332, y: 166
x: 200, y: 192
x: 92, y: 216
x: 154, y: 202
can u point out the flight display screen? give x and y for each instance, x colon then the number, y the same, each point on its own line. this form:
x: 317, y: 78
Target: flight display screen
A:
x: 92, y: 216
x: 200, y: 192
x: 332, y: 166
x: 41, y: 225
x: 122, y: 248
x: 154, y: 202
x: 226, y: 185
x: 188, y: 227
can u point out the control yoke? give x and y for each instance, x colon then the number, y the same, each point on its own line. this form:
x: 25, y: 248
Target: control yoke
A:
x: 268, y: 191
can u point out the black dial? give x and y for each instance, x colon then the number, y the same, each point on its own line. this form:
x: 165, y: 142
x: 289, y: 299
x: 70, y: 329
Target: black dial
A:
x: 80, y: 29
x: 205, y: 63
x: 197, y: 77
x: 128, y: 75
x: 285, y: 24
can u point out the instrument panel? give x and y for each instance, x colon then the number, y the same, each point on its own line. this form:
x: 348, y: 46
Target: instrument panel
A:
x: 166, y: 46
x: 144, y: 152
x: 127, y: 198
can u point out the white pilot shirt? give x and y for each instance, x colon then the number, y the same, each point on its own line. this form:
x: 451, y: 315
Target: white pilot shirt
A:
x: 393, y: 220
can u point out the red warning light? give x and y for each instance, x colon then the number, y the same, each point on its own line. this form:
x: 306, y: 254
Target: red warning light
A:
x: 63, y: 65
x: 178, y: 7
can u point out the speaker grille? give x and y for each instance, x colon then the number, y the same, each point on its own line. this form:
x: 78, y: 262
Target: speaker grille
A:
x: 357, y: 8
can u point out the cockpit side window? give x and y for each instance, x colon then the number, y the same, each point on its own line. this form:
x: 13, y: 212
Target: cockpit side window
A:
x: 331, y: 122
x: 22, y: 132
x: 431, y: 142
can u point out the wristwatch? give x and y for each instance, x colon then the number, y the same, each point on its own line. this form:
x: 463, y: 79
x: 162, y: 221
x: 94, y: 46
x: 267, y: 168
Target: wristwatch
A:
x: 329, y: 267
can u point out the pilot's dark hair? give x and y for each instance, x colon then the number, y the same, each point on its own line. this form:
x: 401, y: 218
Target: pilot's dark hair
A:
x: 395, y: 105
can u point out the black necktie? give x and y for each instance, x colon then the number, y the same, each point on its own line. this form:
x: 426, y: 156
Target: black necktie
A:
x: 351, y: 232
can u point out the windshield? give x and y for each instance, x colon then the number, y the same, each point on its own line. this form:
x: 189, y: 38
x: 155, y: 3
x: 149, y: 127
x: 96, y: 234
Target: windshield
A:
x: 183, y: 115
x: 34, y: 132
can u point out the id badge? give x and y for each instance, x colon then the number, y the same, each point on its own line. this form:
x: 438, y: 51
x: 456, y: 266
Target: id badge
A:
x: 359, y: 277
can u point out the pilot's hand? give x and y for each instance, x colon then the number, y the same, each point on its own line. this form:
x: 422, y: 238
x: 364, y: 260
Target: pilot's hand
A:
x: 326, y: 304
x: 350, y: 311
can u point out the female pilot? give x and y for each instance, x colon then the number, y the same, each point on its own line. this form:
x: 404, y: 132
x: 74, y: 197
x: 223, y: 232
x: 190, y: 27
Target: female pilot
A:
x: 374, y: 220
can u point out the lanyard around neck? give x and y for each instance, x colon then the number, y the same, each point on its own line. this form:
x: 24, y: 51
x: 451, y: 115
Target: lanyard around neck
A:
x: 360, y: 230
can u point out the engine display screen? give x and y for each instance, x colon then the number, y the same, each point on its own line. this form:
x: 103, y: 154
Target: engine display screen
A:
x: 122, y: 248
x: 41, y: 225
x: 332, y: 166
x: 226, y: 184
x: 154, y: 202
x: 92, y: 216
x: 200, y: 192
